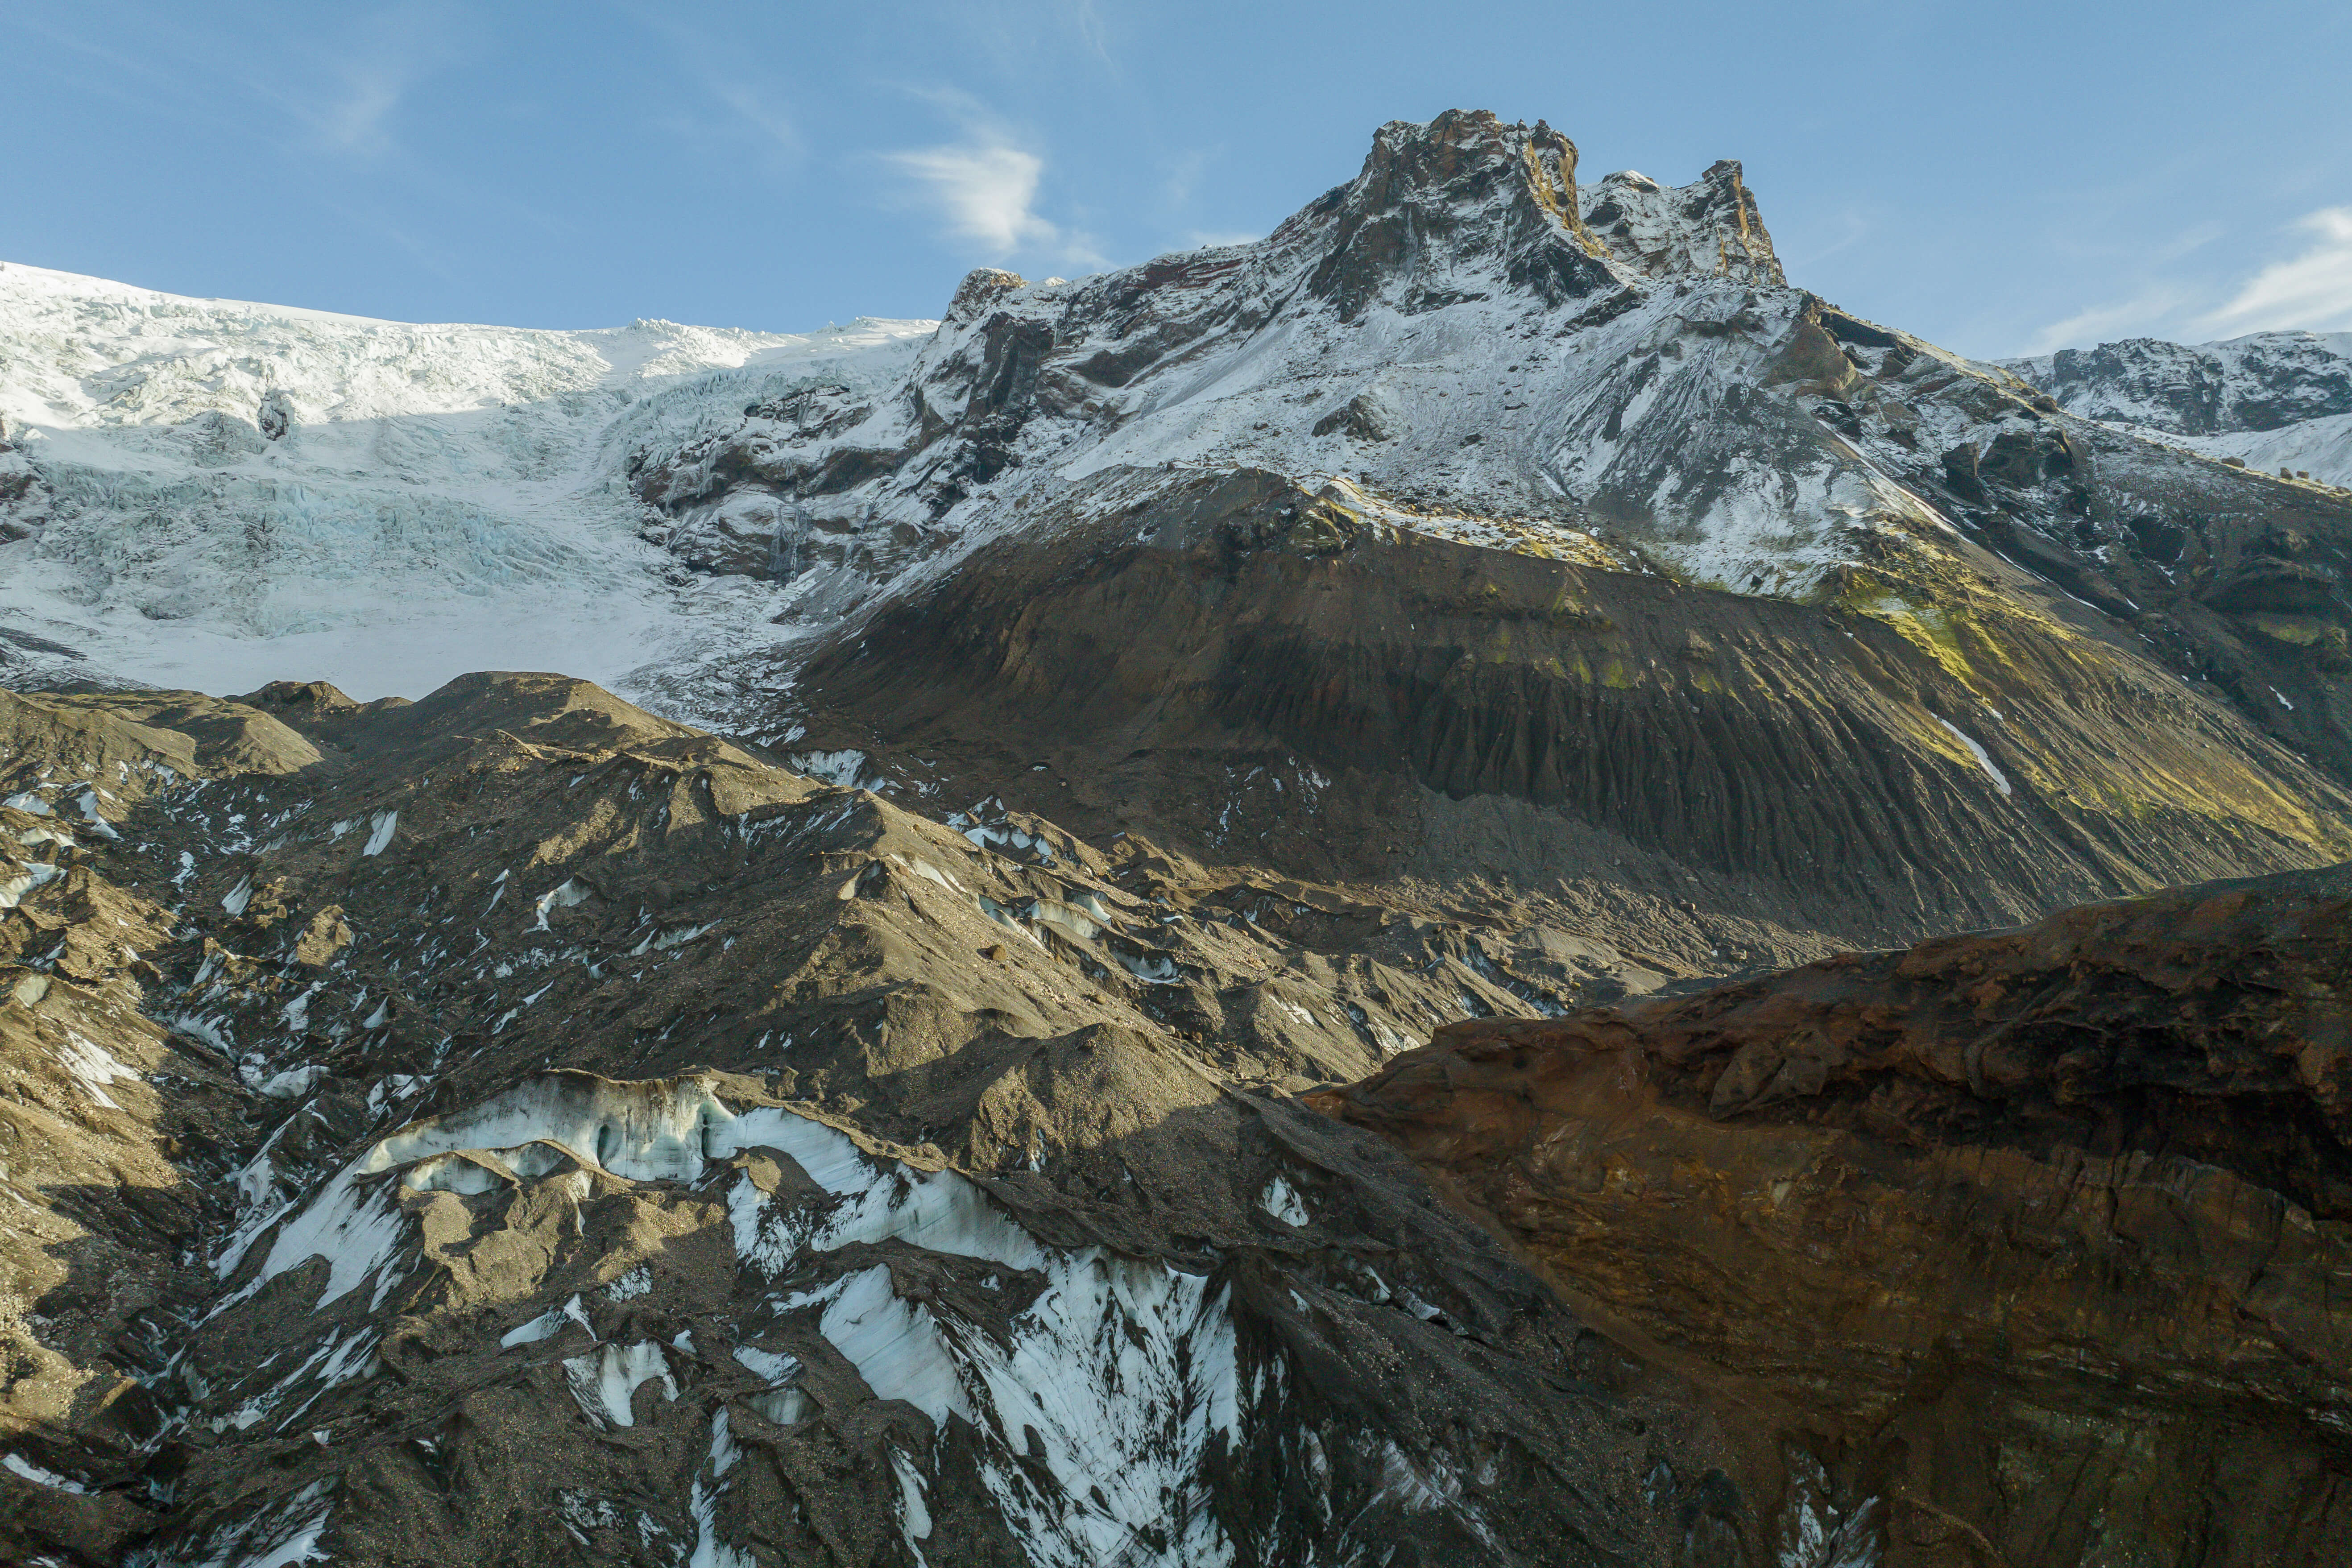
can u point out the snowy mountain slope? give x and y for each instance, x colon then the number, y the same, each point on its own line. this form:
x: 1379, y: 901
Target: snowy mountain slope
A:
x: 1463, y: 342
x: 1446, y: 328
x: 205, y: 494
x: 1472, y: 341
x: 1462, y: 331
x: 2273, y: 400
x: 2320, y: 447
x: 2264, y: 381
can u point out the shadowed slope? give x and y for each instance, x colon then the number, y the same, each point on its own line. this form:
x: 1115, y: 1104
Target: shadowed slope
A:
x: 2044, y: 1233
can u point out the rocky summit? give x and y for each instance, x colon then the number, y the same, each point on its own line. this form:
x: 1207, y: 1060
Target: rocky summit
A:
x: 1472, y: 884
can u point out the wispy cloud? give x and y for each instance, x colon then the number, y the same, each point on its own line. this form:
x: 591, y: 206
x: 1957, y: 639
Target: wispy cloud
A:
x: 1183, y: 180
x: 356, y: 121
x: 2312, y: 291
x: 2145, y: 313
x: 351, y: 104
x: 1087, y: 24
x: 1032, y: 39
x: 336, y: 87
x: 161, y: 64
x: 984, y: 192
x: 2193, y: 238
x: 985, y: 195
x: 758, y: 113
x: 755, y: 109
x: 1851, y: 228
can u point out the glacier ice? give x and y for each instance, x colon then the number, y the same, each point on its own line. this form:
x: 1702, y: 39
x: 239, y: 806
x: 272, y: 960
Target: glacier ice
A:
x: 604, y: 1381
x: 428, y: 499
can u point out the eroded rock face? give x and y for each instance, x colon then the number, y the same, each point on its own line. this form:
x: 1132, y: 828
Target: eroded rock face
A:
x: 1249, y: 669
x: 1710, y: 229
x: 514, y: 1127
x: 2279, y: 404
x: 2039, y: 1239
x: 117, y: 1131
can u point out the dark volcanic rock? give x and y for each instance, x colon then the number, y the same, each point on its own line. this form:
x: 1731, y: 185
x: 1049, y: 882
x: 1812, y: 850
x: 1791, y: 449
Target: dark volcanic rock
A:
x: 2041, y: 1234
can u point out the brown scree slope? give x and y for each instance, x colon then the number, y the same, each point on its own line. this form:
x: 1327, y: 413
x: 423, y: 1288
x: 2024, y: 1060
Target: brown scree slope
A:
x: 2046, y: 1232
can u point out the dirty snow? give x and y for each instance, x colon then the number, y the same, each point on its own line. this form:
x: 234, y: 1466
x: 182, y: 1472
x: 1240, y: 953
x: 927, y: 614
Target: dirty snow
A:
x: 39, y: 1476
x: 605, y: 1380
x: 1983, y: 757
x: 1281, y: 1200
x: 383, y: 823
x: 94, y: 1067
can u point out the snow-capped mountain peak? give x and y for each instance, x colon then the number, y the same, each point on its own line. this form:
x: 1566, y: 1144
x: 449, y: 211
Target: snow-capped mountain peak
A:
x: 1462, y: 340
x: 1461, y: 320
x: 2260, y: 381
x: 1466, y: 197
x: 1461, y: 329
x: 1711, y: 226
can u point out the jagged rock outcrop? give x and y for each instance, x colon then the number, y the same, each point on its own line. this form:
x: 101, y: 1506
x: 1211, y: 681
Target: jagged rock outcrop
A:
x: 1710, y: 229
x: 2257, y: 382
x: 2037, y: 1239
x: 1462, y: 229
x: 2279, y: 403
x: 1464, y: 195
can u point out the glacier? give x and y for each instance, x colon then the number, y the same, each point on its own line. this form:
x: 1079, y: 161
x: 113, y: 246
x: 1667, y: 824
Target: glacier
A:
x: 210, y: 493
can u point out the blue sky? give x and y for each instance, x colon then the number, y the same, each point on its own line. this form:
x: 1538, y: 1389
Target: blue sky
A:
x: 2000, y: 178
